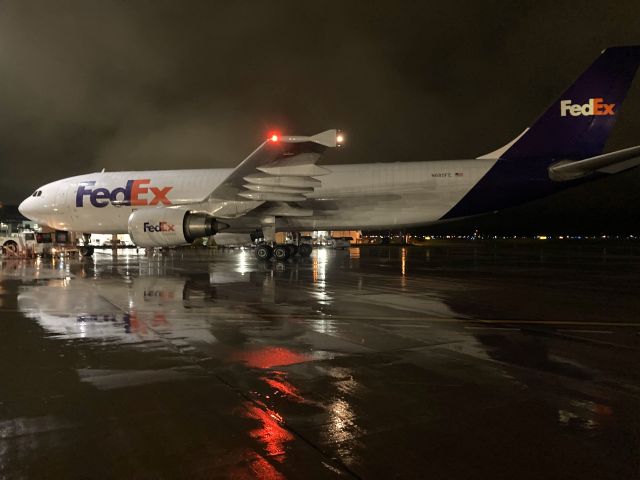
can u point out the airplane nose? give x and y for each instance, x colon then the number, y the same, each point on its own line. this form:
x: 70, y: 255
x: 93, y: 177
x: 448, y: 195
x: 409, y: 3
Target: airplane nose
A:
x: 24, y: 209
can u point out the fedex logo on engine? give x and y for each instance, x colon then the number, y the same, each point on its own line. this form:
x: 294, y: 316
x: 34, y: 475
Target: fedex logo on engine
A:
x: 135, y: 192
x: 160, y: 227
x: 595, y: 106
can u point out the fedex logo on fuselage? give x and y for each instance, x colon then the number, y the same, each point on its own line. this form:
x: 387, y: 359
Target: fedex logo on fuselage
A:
x: 135, y: 192
x: 595, y: 106
x: 160, y: 227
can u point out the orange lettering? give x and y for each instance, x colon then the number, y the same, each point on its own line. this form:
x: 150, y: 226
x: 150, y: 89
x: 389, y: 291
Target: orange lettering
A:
x: 137, y: 190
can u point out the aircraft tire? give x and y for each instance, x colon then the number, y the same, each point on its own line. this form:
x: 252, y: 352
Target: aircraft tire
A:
x: 86, y: 251
x: 263, y: 252
x: 281, y: 252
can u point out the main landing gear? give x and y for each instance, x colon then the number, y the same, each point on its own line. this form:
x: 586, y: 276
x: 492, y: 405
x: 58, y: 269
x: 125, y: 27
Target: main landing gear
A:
x: 282, y: 252
x: 86, y: 250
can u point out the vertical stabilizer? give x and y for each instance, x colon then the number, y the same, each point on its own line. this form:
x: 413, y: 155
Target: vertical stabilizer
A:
x: 578, y: 124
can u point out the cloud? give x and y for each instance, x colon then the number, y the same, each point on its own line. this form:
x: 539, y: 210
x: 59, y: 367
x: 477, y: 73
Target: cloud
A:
x: 146, y: 85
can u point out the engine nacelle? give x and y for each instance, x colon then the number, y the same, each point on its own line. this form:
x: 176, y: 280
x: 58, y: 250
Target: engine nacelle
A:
x: 169, y: 227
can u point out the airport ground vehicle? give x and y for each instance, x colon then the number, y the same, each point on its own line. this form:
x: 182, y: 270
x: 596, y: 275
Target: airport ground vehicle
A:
x: 280, y: 188
x: 341, y: 242
x: 19, y: 244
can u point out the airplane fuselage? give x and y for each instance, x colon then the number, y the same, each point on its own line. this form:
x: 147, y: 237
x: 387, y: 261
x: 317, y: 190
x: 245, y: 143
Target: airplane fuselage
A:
x: 280, y: 187
x: 361, y: 196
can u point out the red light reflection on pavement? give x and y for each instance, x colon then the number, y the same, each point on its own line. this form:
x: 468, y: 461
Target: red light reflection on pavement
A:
x: 284, y: 387
x: 258, y: 467
x: 159, y: 319
x: 270, y: 434
x: 264, y: 470
x: 137, y: 326
x: 268, y: 357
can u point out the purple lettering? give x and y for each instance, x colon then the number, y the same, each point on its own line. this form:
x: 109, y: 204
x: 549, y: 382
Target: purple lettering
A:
x: 82, y: 192
x: 99, y: 194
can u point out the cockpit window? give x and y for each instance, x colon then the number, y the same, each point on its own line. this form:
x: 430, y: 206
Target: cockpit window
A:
x: 39, y: 193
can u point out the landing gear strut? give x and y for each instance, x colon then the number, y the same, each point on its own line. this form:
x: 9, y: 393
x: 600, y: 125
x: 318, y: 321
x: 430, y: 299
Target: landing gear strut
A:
x: 86, y: 250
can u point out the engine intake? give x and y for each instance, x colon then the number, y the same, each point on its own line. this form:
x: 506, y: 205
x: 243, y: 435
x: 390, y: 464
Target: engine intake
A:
x: 167, y: 227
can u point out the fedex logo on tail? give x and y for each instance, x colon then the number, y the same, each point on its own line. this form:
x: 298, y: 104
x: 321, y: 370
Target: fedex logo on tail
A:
x: 595, y: 106
x: 135, y: 192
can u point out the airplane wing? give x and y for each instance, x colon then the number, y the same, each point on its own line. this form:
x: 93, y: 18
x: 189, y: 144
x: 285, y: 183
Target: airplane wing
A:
x: 608, y: 163
x: 282, y: 169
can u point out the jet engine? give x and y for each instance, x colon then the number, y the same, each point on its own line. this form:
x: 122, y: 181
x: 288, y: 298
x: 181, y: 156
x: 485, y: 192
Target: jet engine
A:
x: 168, y: 227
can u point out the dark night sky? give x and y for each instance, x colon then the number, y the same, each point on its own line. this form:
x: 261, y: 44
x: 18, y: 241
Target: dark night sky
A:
x: 152, y: 84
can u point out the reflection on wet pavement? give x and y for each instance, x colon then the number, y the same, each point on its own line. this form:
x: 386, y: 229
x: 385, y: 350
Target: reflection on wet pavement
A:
x: 467, y: 360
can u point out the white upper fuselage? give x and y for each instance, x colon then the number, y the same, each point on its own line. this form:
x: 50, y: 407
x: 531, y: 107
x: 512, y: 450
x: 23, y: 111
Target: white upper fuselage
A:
x: 360, y: 196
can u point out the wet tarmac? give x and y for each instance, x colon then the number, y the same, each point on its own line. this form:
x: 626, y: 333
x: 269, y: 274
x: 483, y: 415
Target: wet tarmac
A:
x: 457, y: 361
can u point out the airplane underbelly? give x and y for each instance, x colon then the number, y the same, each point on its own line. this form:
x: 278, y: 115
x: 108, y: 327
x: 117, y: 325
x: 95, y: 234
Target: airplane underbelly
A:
x: 107, y: 220
x: 382, y: 210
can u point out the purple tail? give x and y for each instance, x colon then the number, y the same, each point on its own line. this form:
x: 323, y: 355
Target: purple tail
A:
x: 578, y: 124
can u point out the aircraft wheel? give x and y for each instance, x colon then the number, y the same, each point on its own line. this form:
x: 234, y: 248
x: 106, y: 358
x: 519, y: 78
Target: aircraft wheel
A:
x: 293, y: 249
x: 304, y: 250
x: 86, y: 251
x: 281, y: 252
x: 264, y: 252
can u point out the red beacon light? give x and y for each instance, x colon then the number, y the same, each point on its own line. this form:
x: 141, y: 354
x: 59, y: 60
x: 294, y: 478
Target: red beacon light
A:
x: 274, y: 137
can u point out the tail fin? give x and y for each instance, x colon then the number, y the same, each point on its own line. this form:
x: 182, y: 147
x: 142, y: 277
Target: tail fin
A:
x: 578, y: 124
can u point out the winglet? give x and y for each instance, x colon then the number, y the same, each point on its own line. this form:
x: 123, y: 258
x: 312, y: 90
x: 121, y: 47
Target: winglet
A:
x: 329, y: 138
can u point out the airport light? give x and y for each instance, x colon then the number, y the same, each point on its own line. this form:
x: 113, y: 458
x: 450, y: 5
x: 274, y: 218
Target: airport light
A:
x: 274, y: 137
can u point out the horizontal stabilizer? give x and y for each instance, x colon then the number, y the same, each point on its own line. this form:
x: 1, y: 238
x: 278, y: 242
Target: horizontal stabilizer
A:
x: 609, y: 163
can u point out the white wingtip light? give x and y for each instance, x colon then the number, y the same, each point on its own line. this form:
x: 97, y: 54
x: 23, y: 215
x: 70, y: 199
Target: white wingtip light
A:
x: 330, y: 138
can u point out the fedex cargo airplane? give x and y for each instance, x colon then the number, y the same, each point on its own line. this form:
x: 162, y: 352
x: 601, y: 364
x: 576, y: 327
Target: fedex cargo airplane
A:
x: 281, y: 187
